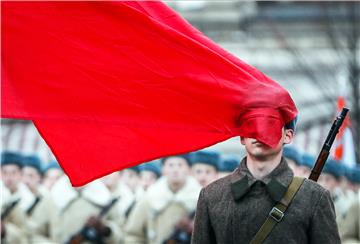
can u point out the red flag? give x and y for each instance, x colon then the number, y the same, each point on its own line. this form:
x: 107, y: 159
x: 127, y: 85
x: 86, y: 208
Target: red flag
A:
x: 344, y: 150
x: 111, y: 85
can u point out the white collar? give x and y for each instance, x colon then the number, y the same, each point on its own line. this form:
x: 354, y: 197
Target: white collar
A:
x: 160, y: 196
x: 63, y: 193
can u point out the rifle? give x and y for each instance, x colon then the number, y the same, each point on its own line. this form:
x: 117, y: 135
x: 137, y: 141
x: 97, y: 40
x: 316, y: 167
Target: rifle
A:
x: 7, y: 211
x: 90, y: 233
x: 324, y: 154
x: 179, y: 235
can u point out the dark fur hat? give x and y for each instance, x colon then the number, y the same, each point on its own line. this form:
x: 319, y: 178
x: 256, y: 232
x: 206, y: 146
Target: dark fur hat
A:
x: 206, y: 157
x: 184, y: 156
x: 32, y: 161
x: 8, y: 158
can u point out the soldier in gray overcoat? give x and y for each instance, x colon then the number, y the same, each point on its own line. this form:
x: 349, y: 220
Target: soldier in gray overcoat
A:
x: 232, y: 209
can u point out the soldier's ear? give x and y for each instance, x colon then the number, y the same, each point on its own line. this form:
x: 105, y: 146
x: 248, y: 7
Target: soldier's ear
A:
x: 242, y: 140
x: 289, y: 136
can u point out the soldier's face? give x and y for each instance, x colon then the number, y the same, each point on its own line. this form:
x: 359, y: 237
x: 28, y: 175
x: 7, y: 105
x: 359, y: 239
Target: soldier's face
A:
x: 11, y: 176
x: 51, y: 176
x: 111, y: 181
x: 130, y: 178
x: 204, y: 173
x: 147, y: 178
x: 176, y: 170
x: 256, y: 149
x: 31, y: 177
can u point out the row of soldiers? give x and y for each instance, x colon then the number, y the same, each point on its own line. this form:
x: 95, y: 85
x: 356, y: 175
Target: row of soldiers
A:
x: 145, y: 202
x: 342, y: 182
x: 150, y: 203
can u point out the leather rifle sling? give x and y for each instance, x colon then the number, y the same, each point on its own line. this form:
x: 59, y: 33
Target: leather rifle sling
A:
x: 277, y: 212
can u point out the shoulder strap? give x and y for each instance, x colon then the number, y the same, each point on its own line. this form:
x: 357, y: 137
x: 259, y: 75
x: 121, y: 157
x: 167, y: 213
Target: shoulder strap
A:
x: 32, y: 207
x: 277, y: 212
x: 8, y: 209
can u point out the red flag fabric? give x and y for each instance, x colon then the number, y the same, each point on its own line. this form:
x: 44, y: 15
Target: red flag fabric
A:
x: 112, y: 84
x: 344, y: 150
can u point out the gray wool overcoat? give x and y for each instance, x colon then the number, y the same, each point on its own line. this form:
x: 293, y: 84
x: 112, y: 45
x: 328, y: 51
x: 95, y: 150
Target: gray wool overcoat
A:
x: 232, y: 209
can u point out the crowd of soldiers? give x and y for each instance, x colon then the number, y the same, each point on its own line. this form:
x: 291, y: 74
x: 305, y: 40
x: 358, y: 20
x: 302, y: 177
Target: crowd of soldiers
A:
x: 151, y: 203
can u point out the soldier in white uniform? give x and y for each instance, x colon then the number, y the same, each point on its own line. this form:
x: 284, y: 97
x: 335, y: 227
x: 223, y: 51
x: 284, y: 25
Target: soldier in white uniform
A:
x: 227, y: 165
x: 13, y: 227
x: 205, y: 166
x: 52, y: 172
x: 293, y: 158
x: 149, y: 174
x: 40, y: 210
x: 79, y: 213
x: 330, y: 177
x: 172, y: 197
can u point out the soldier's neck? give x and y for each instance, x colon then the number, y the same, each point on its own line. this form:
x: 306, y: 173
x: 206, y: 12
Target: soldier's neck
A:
x: 261, y: 167
x: 34, y: 191
x: 175, y: 187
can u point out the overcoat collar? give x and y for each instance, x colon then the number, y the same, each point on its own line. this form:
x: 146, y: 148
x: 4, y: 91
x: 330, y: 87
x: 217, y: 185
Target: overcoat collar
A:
x: 276, y: 182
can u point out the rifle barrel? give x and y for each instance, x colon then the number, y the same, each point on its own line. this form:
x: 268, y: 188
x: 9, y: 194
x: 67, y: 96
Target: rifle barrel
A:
x: 325, y: 151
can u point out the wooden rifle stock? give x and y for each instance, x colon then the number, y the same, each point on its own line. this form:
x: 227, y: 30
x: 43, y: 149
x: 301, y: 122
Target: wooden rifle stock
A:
x: 179, y: 235
x: 80, y: 237
x: 324, y: 154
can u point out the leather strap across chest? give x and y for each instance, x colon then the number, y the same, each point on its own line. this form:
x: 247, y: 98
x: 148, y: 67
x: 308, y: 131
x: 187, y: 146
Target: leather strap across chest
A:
x: 277, y: 212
